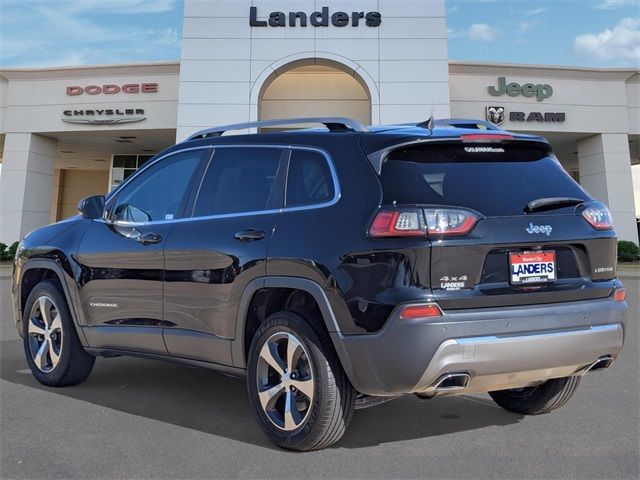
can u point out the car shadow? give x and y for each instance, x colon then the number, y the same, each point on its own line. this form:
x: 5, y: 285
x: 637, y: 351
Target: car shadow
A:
x: 215, y: 404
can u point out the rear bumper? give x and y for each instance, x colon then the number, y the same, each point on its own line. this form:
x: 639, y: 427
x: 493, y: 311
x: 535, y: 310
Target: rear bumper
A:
x: 497, y: 348
x: 498, y: 363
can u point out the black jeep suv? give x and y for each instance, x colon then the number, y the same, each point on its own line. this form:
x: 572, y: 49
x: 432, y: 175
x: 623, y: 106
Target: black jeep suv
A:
x: 335, y: 268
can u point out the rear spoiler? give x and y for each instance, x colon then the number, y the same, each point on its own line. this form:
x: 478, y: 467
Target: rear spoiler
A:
x: 379, y: 157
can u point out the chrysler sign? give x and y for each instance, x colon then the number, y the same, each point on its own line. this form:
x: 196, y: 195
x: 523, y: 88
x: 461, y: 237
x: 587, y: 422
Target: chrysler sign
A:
x: 104, y: 116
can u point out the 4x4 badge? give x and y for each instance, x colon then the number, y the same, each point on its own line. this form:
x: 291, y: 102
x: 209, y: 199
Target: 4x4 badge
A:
x: 546, y: 229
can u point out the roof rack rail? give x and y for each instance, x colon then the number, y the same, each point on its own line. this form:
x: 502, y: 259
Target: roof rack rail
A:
x: 465, y: 123
x: 334, y: 124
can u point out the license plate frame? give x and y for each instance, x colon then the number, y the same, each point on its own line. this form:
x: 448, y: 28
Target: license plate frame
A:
x: 532, y: 267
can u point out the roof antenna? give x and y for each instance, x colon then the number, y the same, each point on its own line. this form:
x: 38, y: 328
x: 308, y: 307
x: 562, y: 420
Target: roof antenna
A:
x: 427, y: 124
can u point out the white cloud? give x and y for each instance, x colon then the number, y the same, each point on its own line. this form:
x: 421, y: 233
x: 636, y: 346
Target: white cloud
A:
x: 536, y: 11
x: 481, y: 32
x: 168, y: 36
x: 610, y: 4
x: 124, y: 6
x: 621, y: 44
x: 121, y: 7
x: 525, y: 26
x: 41, y: 33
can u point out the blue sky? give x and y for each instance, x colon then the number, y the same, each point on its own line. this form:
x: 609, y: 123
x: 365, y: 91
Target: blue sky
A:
x: 563, y: 32
x: 556, y: 32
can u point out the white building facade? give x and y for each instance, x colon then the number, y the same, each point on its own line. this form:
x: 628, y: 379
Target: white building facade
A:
x: 72, y: 132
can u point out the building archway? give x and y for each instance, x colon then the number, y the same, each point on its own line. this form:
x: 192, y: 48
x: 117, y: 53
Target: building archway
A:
x: 315, y: 87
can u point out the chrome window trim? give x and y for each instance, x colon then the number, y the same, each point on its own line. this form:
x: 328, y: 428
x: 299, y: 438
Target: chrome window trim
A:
x: 334, y: 176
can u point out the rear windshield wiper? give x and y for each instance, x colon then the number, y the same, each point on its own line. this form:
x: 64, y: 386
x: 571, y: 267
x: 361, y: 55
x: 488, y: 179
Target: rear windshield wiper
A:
x: 549, y: 203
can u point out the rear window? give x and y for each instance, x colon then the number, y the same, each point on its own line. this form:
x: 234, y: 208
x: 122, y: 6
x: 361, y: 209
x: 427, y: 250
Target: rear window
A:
x: 494, y: 180
x: 309, y: 180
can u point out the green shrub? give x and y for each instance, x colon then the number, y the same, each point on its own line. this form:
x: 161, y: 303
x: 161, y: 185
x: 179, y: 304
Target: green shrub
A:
x: 7, y: 253
x: 628, y: 251
x: 13, y: 249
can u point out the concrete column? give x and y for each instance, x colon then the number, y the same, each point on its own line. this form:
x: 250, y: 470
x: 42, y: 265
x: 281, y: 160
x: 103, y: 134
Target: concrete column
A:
x: 26, y: 184
x: 605, y: 172
x: 56, y: 194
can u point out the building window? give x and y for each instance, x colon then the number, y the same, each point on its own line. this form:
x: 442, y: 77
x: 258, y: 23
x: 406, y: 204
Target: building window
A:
x: 123, y: 166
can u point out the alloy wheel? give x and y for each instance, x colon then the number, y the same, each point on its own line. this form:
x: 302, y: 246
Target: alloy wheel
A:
x: 45, y: 334
x: 285, y: 381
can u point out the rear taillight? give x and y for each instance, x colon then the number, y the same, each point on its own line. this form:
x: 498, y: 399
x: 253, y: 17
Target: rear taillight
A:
x: 598, y: 216
x: 449, y: 221
x: 398, y: 223
x: 412, y: 222
x: 619, y: 295
x: 420, y: 311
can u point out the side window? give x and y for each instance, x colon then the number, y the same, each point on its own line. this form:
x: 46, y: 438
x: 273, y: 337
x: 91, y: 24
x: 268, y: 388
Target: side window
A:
x: 309, y: 179
x: 159, y: 192
x: 238, y: 180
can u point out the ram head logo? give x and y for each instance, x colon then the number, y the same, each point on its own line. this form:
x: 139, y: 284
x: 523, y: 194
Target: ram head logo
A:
x: 495, y: 115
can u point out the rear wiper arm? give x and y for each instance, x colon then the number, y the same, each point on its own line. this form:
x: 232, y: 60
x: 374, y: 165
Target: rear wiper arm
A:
x: 549, y: 203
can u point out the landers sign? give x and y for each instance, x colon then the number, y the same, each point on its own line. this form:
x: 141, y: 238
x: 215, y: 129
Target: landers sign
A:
x: 317, y: 19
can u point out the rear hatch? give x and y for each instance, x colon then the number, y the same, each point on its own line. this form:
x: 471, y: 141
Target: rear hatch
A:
x: 513, y: 255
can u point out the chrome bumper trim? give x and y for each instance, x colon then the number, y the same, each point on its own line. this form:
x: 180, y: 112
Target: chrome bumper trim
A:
x: 501, y: 362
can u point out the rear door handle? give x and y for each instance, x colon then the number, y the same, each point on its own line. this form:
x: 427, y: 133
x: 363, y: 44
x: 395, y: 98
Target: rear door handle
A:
x: 149, y: 238
x: 250, y: 235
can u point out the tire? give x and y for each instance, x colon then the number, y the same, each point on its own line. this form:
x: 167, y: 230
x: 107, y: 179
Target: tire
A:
x: 53, y: 350
x: 320, y: 394
x: 537, y: 400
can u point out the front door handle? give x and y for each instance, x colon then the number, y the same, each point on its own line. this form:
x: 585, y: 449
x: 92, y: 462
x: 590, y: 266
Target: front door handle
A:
x: 149, y: 238
x: 250, y: 235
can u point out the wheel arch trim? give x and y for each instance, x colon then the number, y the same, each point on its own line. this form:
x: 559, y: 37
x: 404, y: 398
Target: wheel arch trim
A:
x: 298, y: 283
x: 51, y: 265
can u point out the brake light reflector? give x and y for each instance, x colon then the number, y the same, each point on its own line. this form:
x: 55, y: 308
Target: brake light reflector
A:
x: 598, y: 216
x: 449, y: 221
x: 619, y: 295
x: 398, y: 223
x: 485, y: 137
x: 420, y: 311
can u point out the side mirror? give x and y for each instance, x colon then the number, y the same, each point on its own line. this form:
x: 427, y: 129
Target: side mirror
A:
x: 91, y: 207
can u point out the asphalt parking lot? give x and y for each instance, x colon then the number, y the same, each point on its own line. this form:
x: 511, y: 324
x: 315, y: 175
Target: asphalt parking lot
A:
x: 143, y: 419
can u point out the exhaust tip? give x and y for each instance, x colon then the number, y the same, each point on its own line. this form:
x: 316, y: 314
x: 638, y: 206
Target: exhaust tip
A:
x: 452, y: 381
x: 600, y: 364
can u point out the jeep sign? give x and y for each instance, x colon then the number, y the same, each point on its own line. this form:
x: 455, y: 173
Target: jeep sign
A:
x: 513, y: 89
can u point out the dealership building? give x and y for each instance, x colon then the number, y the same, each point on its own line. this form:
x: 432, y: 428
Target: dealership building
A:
x: 66, y: 133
